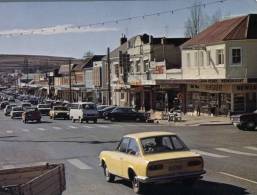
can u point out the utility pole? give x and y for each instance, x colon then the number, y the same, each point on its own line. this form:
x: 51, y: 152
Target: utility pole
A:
x: 70, y: 99
x: 109, y: 76
x: 26, y: 63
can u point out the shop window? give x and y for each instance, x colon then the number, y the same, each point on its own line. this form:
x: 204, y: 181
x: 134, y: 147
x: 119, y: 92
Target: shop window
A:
x: 236, y: 56
x: 137, y: 66
x: 239, y: 102
x: 116, y: 70
x: 219, y: 56
x: 146, y: 65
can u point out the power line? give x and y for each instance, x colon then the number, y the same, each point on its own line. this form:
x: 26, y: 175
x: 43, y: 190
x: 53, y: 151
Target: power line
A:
x: 115, y: 21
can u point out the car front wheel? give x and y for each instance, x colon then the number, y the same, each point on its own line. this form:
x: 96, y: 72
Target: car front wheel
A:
x: 137, y: 186
x: 250, y: 126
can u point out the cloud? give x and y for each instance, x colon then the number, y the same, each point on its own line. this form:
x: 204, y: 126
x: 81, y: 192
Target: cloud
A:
x: 59, y: 29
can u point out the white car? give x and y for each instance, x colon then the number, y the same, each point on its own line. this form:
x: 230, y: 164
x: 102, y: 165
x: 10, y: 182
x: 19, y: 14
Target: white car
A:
x: 8, y: 109
x: 16, y: 112
x: 84, y: 111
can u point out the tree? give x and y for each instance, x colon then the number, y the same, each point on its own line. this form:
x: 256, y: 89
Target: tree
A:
x: 197, y: 21
x: 88, y: 54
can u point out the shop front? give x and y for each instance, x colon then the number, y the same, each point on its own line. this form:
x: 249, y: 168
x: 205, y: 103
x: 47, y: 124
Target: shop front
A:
x: 221, y: 98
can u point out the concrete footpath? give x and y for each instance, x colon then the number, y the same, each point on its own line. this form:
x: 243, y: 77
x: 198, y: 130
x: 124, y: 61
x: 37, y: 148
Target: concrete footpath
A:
x: 188, y: 120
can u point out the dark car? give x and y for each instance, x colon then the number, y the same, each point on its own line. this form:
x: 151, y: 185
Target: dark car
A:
x: 31, y: 114
x: 246, y: 121
x: 4, y: 104
x: 126, y: 114
x: 105, y: 112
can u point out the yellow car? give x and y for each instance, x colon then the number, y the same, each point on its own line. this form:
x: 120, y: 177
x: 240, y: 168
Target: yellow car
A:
x: 152, y: 157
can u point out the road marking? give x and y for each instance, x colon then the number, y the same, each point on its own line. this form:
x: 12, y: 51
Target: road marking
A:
x: 236, y: 152
x: 73, y: 127
x: 89, y: 127
x: 251, y: 148
x: 41, y: 129
x: 131, y: 125
x: 209, y: 154
x: 237, y: 177
x: 117, y: 125
x: 79, y: 164
x: 102, y: 126
x: 8, y: 167
x: 9, y: 131
x: 58, y: 128
x: 25, y: 130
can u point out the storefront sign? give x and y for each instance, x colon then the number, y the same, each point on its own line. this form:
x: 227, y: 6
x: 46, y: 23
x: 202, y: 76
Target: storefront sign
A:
x: 210, y: 88
x: 160, y: 69
x: 135, y: 82
x: 245, y: 88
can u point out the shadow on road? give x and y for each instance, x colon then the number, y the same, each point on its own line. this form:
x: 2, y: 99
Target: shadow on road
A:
x: 200, y: 188
x: 61, y: 141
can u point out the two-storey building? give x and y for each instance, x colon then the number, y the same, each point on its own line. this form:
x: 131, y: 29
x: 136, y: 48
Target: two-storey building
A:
x: 219, y: 66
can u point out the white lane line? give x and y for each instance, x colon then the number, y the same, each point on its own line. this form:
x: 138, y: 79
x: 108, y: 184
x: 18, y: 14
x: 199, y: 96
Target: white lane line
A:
x: 79, y: 164
x: 102, y: 126
x: 57, y: 128
x: 131, y: 125
x: 8, y: 167
x: 117, y: 125
x: 236, y: 152
x: 251, y: 148
x: 89, y: 127
x: 237, y: 177
x: 73, y: 127
x: 9, y: 131
x: 209, y: 154
x: 41, y: 129
x: 25, y: 130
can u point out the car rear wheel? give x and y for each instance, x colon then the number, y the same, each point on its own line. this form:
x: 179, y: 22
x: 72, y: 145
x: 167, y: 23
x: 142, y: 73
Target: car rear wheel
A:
x: 108, y: 176
x: 113, y: 118
x: 95, y: 121
x: 250, y: 126
x: 137, y: 186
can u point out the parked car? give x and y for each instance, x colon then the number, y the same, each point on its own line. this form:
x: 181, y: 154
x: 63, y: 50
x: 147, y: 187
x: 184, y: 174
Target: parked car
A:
x: 84, y: 111
x: 26, y: 105
x: 16, y: 112
x: 246, y: 121
x: 104, y: 112
x: 152, y: 157
x: 4, y: 104
x: 59, y: 112
x: 44, y: 109
x: 8, y: 109
x: 127, y: 114
x: 11, y: 99
x: 31, y: 114
x: 101, y: 107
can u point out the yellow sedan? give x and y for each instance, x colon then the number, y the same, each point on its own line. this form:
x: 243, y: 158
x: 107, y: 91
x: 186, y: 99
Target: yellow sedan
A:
x: 152, y: 157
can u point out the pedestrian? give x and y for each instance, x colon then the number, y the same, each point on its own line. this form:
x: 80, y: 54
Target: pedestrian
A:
x: 198, y: 109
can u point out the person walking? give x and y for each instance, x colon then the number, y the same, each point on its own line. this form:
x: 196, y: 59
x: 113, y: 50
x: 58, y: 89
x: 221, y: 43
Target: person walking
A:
x: 198, y: 109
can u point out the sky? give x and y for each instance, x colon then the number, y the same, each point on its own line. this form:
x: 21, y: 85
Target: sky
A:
x: 31, y: 16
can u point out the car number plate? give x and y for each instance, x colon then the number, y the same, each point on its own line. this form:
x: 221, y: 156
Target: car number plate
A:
x: 175, y: 167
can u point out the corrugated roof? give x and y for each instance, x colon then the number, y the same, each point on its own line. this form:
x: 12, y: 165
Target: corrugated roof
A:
x: 238, y: 28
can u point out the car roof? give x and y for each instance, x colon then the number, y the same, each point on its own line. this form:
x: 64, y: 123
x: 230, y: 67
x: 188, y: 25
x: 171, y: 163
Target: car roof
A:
x: 148, y: 134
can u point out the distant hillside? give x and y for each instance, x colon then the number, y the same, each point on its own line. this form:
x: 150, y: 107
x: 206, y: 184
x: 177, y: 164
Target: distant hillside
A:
x: 10, y: 63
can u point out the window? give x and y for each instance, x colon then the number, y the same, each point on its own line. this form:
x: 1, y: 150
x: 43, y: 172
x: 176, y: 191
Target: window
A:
x: 219, y: 56
x: 201, y: 58
x: 188, y: 59
x: 196, y: 59
x: 133, y: 147
x: 161, y: 144
x: 123, y: 145
x: 122, y: 95
x: 137, y: 66
x: 146, y: 65
x: 116, y: 66
x: 236, y: 56
x: 208, y: 57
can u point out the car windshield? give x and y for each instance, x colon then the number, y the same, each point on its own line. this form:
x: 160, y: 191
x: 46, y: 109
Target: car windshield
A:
x: 44, y: 106
x: 60, y: 108
x: 160, y: 144
x: 17, y: 109
x: 89, y: 106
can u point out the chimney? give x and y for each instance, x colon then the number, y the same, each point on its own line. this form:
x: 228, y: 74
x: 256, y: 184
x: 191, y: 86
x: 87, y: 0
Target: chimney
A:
x: 123, y: 39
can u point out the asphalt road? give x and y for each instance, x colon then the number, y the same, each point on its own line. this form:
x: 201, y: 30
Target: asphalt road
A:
x: 230, y: 154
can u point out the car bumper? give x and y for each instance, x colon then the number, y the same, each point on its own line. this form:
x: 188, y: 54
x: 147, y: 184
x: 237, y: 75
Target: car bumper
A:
x: 169, y: 178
